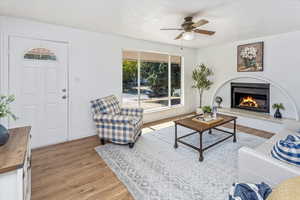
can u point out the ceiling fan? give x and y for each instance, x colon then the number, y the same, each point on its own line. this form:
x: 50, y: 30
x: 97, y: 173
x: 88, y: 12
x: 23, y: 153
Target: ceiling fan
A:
x: 189, y: 28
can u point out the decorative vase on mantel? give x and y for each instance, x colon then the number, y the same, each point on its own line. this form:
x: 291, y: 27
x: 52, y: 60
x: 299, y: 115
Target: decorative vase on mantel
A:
x: 278, y: 114
x: 3, y: 135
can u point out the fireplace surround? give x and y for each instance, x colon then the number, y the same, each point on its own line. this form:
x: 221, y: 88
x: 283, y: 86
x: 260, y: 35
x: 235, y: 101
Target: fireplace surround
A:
x: 251, y: 96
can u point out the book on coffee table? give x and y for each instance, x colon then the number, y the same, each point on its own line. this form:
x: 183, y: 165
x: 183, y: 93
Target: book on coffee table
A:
x: 207, y: 120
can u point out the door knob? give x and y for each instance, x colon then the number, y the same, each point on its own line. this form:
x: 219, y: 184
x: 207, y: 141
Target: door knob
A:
x: 64, y: 97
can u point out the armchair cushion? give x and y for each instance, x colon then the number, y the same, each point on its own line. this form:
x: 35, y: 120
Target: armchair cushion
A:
x: 116, y: 119
x: 118, y: 128
x: 106, y: 105
x: 137, y: 112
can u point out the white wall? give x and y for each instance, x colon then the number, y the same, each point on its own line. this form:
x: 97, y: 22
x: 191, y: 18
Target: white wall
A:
x: 281, y: 66
x: 95, y: 62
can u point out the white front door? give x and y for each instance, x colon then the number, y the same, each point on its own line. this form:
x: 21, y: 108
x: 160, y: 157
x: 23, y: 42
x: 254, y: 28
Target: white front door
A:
x: 39, y: 82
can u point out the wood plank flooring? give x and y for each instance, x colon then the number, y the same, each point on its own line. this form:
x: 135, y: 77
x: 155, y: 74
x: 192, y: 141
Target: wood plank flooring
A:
x: 74, y: 171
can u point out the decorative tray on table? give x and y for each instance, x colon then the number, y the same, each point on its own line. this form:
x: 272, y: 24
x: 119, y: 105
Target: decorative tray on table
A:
x: 208, y: 120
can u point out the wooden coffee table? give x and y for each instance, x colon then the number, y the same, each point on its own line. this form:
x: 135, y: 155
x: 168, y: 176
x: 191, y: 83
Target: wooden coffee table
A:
x: 201, y: 128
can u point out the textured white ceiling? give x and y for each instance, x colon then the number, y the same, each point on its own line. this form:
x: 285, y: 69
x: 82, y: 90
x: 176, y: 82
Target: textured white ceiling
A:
x: 231, y: 19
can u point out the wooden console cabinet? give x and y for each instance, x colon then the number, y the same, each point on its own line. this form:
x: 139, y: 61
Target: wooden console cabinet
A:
x: 15, y: 166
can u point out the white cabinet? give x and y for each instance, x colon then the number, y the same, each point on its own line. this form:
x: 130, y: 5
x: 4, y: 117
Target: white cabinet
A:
x: 15, y: 166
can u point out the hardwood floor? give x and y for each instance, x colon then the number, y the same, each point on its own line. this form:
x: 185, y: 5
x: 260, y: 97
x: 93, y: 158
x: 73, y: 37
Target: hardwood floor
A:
x: 169, y: 122
x: 74, y: 171
x: 251, y: 131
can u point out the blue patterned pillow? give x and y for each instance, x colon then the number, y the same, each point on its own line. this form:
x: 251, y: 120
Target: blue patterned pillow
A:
x: 246, y: 191
x: 288, y: 150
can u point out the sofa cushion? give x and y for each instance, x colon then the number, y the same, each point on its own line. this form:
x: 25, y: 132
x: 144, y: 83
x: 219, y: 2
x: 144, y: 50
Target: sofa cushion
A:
x: 287, y: 190
x: 287, y: 150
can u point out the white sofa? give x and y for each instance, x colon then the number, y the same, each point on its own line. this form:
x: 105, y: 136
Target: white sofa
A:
x: 257, y: 165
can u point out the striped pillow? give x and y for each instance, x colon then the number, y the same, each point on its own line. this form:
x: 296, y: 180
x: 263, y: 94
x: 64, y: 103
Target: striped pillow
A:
x: 288, y: 150
x: 247, y: 191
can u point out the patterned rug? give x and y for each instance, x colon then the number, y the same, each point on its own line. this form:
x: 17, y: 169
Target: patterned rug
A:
x: 154, y: 170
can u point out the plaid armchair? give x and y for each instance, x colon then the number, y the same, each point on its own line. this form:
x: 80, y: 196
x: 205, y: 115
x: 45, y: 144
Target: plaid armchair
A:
x: 116, y: 124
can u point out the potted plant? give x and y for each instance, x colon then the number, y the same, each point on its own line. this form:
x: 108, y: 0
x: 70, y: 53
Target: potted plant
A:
x: 5, y: 112
x: 206, y: 109
x: 278, y: 107
x: 201, y: 80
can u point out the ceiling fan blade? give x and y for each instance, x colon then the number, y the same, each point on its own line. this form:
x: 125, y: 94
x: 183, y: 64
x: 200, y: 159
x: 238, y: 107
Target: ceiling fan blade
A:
x: 200, y: 23
x: 179, y: 36
x: 204, y: 32
x: 171, y: 29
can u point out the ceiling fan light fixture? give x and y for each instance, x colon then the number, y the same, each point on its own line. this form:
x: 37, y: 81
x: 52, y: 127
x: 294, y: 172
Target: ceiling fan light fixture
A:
x: 189, y: 28
x: 188, y: 36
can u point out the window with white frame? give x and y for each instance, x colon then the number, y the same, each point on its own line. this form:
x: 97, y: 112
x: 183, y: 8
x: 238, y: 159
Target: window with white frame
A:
x: 151, y: 80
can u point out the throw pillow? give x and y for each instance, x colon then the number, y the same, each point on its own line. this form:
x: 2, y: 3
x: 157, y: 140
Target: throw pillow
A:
x: 109, y: 105
x: 287, y: 190
x: 247, y: 191
x: 288, y: 150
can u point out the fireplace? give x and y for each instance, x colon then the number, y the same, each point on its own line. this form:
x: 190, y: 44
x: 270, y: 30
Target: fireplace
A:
x: 251, y: 96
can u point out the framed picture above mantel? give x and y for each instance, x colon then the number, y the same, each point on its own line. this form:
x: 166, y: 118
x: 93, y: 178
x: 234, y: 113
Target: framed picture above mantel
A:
x: 250, y: 57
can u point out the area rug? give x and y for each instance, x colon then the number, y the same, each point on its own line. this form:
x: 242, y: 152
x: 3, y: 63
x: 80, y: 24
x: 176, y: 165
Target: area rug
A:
x: 154, y: 170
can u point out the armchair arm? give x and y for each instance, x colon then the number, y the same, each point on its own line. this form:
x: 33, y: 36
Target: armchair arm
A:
x: 136, y: 112
x: 107, y: 118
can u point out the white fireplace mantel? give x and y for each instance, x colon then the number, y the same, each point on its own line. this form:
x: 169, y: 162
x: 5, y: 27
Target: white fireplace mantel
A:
x: 266, y: 80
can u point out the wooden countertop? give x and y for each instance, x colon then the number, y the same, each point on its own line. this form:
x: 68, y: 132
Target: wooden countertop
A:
x: 12, y: 154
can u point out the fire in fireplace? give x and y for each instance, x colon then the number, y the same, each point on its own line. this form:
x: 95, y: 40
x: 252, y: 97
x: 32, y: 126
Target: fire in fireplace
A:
x: 248, y: 102
x: 251, y: 96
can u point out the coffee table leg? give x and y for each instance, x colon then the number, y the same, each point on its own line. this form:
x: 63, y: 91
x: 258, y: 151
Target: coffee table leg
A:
x: 175, y: 145
x: 234, y: 131
x: 210, y: 131
x: 200, y: 149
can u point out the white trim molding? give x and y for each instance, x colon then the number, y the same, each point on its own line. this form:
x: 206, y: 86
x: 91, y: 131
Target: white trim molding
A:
x: 264, y: 79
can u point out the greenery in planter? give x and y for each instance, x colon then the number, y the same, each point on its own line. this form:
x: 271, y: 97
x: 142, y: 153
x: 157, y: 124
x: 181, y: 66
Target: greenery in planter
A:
x: 207, y: 109
x: 5, y: 112
x: 200, y: 77
x: 4, y: 106
x: 278, y: 106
